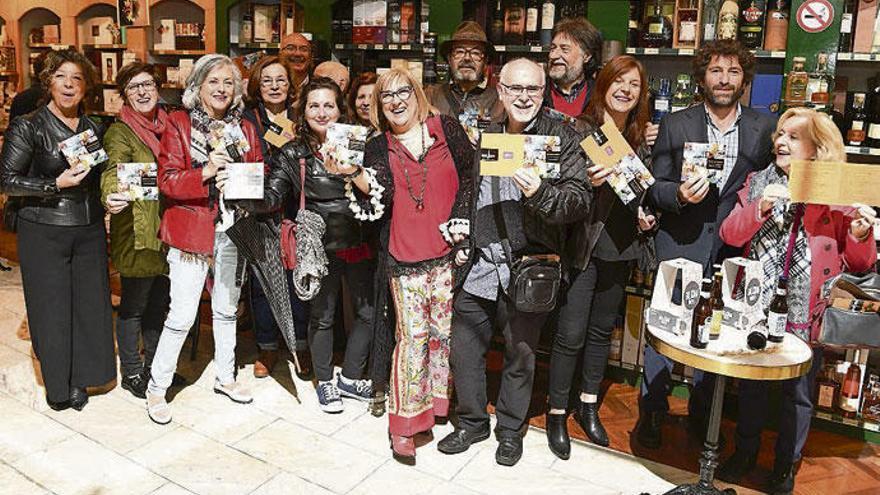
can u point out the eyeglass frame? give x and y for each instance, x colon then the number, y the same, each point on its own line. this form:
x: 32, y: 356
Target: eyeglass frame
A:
x: 270, y: 83
x: 297, y: 48
x: 511, y: 90
x: 475, y: 54
x: 133, y: 89
x: 386, y: 97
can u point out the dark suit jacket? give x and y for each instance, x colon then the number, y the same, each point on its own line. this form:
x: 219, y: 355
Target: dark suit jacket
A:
x: 691, y: 231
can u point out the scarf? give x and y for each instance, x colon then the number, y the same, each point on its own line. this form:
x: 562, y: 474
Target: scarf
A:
x: 770, y: 246
x: 150, y: 132
x: 200, y: 148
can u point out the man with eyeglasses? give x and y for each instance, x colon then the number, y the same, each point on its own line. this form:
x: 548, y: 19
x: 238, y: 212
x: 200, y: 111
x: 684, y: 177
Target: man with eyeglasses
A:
x: 296, y: 52
x: 467, y: 96
x: 575, y: 56
x: 526, y: 214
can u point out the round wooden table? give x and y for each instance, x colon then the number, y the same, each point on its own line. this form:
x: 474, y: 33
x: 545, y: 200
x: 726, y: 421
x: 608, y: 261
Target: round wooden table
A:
x: 789, y: 359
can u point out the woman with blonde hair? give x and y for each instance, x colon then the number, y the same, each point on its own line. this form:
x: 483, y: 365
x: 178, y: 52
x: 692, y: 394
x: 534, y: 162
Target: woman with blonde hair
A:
x: 424, y: 163
x: 801, y: 246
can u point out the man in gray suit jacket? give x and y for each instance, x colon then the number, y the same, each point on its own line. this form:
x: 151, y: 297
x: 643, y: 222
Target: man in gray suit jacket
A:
x: 691, y: 211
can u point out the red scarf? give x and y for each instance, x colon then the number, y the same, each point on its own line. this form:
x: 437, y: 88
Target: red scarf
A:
x: 149, y: 132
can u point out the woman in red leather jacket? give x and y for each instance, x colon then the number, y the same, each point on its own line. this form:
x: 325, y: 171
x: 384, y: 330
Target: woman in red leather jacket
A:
x: 195, y: 150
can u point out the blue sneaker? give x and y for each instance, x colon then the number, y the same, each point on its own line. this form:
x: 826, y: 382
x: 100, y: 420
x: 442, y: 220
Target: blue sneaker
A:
x: 355, y: 389
x: 328, y: 398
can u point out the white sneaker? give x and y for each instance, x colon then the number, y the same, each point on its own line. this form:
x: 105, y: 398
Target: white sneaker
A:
x: 158, y: 409
x: 236, y: 392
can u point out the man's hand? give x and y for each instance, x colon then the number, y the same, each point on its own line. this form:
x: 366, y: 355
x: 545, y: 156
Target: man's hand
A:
x: 527, y: 182
x: 116, y: 202
x: 693, y: 190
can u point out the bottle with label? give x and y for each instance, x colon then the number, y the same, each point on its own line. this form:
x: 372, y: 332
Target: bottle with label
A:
x: 701, y: 319
x: 662, y: 98
x: 827, y: 388
x: 873, y: 104
x: 533, y: 36
x: 856, y: 132
x: 289, y: 26
x: 632, y: 32
x: 777, y: 314
x: 496, y: 30
x: 871, y: 400
x: 776, y: 31
x: 710, y: 19
x: 796, y: 84
x: 757, y: 337
x: 717, y: 303
x: 820, y: 81
x: 728, y: 20
x: 684, y: 95
x: 246, y: 30
x: 849, y: 391
x: 751, y: 23
x: 659, y: 31
x: 847, y: 24
x: 686, y: 14
x: 515, y: 23
x: 548, y: 19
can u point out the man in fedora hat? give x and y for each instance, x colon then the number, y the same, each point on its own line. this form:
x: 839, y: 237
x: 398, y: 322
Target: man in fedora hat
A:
x: 467, y: 97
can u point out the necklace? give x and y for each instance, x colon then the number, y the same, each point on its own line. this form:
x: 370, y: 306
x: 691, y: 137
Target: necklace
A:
x: 420, y: 199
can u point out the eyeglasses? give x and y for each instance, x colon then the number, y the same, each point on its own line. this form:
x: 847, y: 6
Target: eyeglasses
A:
x: 474, y: 53
x: 146, y: 86
x: 271, y: 83
x: 403, y: 93
x: 517, y: 90
x: 297, y: 48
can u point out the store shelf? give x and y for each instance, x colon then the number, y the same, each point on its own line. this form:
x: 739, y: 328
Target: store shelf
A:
x: 686, y: 52
x: 855, y: 423
x: 521, y: 49
x: 101, y: 113
x: 863, y: 151
x: 178, y: 53
x: 858, y: 57
x: 403, y: 47
x: 257, y: 46
x: 50, y: 46
x: 104, y: 47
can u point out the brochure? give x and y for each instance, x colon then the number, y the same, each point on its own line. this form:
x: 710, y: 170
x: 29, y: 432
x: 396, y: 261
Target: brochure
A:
x: 503, y: 154
x: 83, y: 150
x: 245, y: 181
x: 346, y: 143
x: 138, y: 180
x: 279, y: 132
x: 703, y: 160
x: 607, y: 147
x: 231, y: 137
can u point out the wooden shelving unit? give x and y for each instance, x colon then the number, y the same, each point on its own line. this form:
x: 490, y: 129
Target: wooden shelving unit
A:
x: 179, y: 53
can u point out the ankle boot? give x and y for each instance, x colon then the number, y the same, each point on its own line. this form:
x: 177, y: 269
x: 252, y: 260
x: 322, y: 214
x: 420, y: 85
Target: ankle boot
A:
x: 557, y: 435
x: 588, y: 417
x: 782, y: 480
x: 648, y: 432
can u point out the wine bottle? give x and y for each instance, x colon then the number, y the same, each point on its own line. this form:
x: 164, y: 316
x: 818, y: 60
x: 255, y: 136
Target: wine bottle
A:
x: 700, y: 322
x: 683, y: 94
x: 776, y: 33
x: 849, y: 391
x: 717, y: 303
x: 751, y: 23
x: 728, y: 20
x: 548, y: 19
x: 847, y: 23
x: 796, y: 84
x: 820, y: 82
x: 827, y: 389
x: 856, y: 132
x: 777, y: 314
x: 632, y: 32
x: 533, y: 36
x: 496, y: 31
x: 710, y: 19
x: 514, y: 23
x: 687, y: 23
x: 662, y: 99
x: 659, y: 32
x: 873, y: 104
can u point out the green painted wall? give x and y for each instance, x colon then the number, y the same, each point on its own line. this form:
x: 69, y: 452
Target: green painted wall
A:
x: 609, y: 16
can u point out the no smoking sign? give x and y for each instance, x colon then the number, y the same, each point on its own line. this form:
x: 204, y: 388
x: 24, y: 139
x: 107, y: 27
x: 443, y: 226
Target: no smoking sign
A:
x: 815, y: 16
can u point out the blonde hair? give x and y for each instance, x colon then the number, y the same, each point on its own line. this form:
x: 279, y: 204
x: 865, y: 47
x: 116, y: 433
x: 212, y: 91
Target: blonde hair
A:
x: 377, y: 115
x: 821, y: 130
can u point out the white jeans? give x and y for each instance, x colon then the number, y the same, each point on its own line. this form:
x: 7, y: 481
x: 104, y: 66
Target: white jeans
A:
x: 187, y: 280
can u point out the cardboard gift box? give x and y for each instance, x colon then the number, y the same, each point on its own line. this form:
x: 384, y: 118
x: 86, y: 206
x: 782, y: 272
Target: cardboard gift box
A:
x: 666, y: 314
x: 741, y: 292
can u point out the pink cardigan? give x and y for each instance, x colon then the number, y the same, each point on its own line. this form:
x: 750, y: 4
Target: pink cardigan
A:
x: 833, y: 248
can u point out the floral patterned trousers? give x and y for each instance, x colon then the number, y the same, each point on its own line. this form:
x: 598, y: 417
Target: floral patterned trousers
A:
x: 421, y: 384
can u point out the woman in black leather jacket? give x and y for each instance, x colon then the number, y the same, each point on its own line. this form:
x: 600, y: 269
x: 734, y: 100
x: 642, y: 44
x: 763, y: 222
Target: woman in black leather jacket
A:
x: 346, y: 240
x: 61, y: 239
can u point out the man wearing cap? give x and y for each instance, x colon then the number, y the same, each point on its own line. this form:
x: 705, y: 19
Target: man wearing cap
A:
x: 335, y: 71
x: 296, y: 52
x: 467, y: 96
x: 574, y: 59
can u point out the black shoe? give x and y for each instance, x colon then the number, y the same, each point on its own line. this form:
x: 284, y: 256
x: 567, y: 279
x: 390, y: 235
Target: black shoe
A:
x: 736, y: 467
x: 78, y: 398
x: 648, y: 429
x: 587, y: 415
x: 461, y: 439
x: 510, y: 447
x: 136, y: 384
x: 781, y: 482
x: 58, y: 406
x: 557, y: 435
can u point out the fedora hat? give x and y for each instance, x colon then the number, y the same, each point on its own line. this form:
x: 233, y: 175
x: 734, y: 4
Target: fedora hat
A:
x: 467, y: 31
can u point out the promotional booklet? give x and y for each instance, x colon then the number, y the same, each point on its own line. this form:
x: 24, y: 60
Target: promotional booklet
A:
x: 703, y: 160
x: 138, y: 180
x: 607, y: 147
x: 503, y: 154
x: 231, y: 137
x: 84, y: 150
x: 346, y: 143
x: 245, y: 181
x: 279, y: 132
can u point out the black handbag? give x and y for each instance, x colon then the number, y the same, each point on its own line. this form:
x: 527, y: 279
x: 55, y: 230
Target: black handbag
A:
x: 535, y: 282
x: 852, y: 312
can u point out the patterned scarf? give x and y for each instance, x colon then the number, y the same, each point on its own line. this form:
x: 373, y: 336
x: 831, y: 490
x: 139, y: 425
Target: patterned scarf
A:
x: 150, y: 132
x: 770, y: 245
x: 200, y: 147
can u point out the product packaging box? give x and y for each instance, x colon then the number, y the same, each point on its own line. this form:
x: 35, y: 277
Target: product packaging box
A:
x: 741, y: 292
x: 108, y: 66
x: 138, y: 180
x: 670, y: 315
x: 766, y: 92
x: 164, y: 36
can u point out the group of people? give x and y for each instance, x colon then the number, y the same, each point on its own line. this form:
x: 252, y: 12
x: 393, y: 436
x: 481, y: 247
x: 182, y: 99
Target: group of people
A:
x: 430, y: 249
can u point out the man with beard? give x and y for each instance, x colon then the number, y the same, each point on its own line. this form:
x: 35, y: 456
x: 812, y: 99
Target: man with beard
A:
x: 575, y: 57
x: 467, y: 96
x: 296, y: 52
x: 691, y: 211
x: 525, y: 214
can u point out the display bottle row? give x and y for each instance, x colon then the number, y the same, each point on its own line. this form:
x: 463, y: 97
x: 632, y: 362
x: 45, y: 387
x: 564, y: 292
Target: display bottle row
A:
x: 841, y: 389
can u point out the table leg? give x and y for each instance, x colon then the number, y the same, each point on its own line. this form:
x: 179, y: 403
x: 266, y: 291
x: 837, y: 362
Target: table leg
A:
x: 709, y: 459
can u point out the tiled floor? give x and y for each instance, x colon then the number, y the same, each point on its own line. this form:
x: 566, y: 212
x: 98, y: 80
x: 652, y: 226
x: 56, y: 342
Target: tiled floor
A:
x: 280, y: 444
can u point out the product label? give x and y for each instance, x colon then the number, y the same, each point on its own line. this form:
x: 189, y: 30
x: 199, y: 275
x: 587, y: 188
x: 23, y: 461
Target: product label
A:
x: 717, y: 316
x: 776, y: 324
x: 676, y: 108
x: 874, y: 131
x: 846, y: 23
x: 826, y: 397
x: 663, y: 106
x: 703, y: 333
x: 752, y: 14
x: 548, y: 12
x: 709, y: 31
x: 727, y: 26
x: 849, y: 404
x: 856, y: 134
x: 655, y: 28
x: 687, y: 31
x: 531, y: 20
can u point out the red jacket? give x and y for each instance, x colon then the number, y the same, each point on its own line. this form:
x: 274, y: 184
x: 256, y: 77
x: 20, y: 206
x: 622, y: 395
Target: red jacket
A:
x: 188, y: 221
x: 833, y: 248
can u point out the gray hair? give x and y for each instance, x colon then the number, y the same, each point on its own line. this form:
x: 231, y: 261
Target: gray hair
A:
x: 200, y: 71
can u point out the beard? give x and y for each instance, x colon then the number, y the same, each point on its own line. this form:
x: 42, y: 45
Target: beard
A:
x: 724, y: 100
x: 570, y: 75
x: 459, y: 76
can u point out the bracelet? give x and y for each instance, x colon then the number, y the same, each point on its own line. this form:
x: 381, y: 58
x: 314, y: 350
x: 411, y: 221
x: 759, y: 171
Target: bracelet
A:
x: 353, y: 175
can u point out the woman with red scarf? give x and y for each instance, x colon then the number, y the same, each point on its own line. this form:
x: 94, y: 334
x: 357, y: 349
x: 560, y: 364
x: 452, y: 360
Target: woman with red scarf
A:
x: 135, y: 248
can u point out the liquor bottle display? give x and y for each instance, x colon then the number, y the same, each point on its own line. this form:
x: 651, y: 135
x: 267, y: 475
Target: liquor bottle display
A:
x: 684, y: 95
x: 533, y: 36
x: 871, y: 400
x: 496, y: 30
x: 686, y: 24
x: 548, y: 19
x: 728, y: 20
x: 776, y: 30
x: 710, y: 19
x: 751, y: 23
x: 849, y: 391
x: 847, y: 23
x: 796, y: 84
x: 777, y: 314
x: 856, y: 131
x: 757, y: 338
x: 827, y: 389
x: 515, y: 23
x: 717, y: 303
x: 662, y: 98
x: 701, y: 319
x: 872, y: 102
x: 820, y: 81
x: 659, y: 31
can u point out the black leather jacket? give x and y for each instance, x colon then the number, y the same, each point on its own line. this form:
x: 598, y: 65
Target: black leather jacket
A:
x: 325, y: 195
x: 30, y: 163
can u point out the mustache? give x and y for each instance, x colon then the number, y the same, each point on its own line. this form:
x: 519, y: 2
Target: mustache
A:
x: 299, y: 59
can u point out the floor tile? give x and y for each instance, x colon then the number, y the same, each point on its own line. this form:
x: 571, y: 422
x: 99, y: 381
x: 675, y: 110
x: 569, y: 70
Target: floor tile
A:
x: 18, y: 378
x: 289, y: 484
x: 12, y: 481
x: 202, y: 465
x: 448, y: 488
x: 216, y: 416
x: 24, y: 431
x: 80, y: 466
x: 171, y: 489
x: 619, y: 471
x: 311, y: 456
x: 399, y: 478
x: 10, y: 322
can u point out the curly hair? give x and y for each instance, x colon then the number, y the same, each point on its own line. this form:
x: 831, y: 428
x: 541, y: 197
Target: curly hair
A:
x: 305, y: 132
x: 54, y: 61
x: 723, y: 48
x: 586, y: 36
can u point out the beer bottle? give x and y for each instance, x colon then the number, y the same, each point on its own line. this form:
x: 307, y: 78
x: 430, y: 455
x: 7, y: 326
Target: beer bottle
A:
x: 777, y: 314
x: 702, y: 313
x: 717, y: 304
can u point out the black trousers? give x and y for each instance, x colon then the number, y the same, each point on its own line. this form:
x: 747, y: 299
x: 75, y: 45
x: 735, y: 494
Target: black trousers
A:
x: 67, y: 294
x: 587, y: 314
x: 473, y: 322
x: 142, y: 309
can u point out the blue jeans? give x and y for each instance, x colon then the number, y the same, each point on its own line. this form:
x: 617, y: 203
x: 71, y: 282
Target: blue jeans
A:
x: 657, y: 383
x: 265, y: 328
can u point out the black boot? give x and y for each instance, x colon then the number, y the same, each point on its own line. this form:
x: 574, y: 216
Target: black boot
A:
x: 136, y: 384
x: 588, y: 417
x: 782, y: 480
x: 78, y: 398
x: 557, y: 435
x: 648, y: 429
x: 58, y: 406
x: 736, y: 466
x: 510, y: 447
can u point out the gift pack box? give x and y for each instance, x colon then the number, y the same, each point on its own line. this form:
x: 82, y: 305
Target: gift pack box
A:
x: 666, y: 314
x: 741, y: 292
